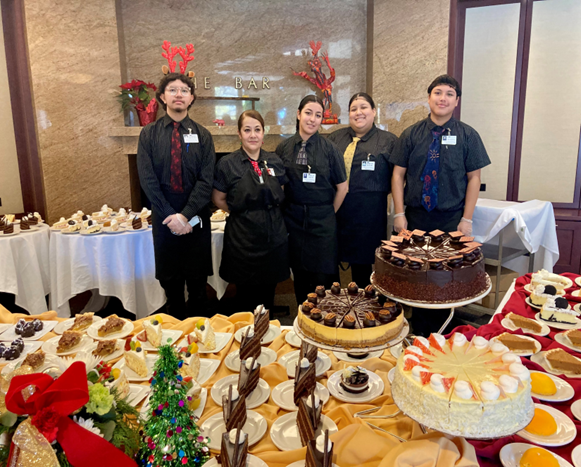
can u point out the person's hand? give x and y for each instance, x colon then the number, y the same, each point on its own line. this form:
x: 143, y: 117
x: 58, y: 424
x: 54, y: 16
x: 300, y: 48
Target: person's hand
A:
x: 465, y: 228
x: 178, y: 224
x: 400, y: 223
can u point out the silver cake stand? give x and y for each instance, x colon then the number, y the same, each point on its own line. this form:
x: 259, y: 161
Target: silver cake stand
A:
x: 434, y: 305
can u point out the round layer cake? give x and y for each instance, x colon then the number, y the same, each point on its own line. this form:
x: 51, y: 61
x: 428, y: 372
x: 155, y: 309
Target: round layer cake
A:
x: 473, y: 389
x: 349, y: 318
x: 435, y: 268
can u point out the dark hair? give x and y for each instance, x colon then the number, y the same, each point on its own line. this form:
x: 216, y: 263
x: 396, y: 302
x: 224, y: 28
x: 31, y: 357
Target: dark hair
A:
x: 255, y: 114
x: 168, y: 79
x: 307, y: 99
x: 362, y: 95
x: 445, y: 79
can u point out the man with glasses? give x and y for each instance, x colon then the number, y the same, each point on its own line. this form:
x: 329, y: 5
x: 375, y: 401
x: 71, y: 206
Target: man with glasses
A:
x: 175, y: 160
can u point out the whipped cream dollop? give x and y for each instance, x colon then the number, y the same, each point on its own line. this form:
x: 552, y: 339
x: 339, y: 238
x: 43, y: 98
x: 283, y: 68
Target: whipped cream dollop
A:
x: 235, y: 394
x: 462, y: 390
x: 540, y: 290
x: 122, y: 212
x: 440, y: 339
x: 317, y: 401
x: 459, y: 340
x: 305, y: 363
x: 489, y: 391
x: 518, y: 370
x: 232, y: 436
x: 248, y: 363
x: 251, y: 332
x: 436, y: 383
x: 144, y: 211
x: 509, y: 358
x: 480, y: 342
x: 498, y: 348
x: 411, y: 357
x: 260, y: 309
x: 416, y: 350
x: 508, y: 384
x: 425, y: 342
x: 417, y: 373
x: 321, y: 444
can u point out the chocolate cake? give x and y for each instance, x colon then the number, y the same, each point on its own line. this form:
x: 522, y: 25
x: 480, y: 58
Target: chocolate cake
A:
x: 25, y: 224
x: 320, y: 452
x: 250, y: 345
x: 305, y: 380
x: 309, y: 417
x: 8, y: 228
x: 249, y: 376
x: 308, y: 351
x: 136, y: 223
x: 32, y: 219
x: 234, y: 406
x: 261, y: 321
x: 435, y: 268
x: 234, y: 449
x: 354, y: 380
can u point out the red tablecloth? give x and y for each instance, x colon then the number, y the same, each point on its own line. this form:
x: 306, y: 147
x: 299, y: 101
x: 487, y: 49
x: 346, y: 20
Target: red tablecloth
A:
x: 488, y: 450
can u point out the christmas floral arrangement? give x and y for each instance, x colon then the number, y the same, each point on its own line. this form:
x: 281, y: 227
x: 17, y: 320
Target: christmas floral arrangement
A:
x: 77, y: 419
x: 136, y: 94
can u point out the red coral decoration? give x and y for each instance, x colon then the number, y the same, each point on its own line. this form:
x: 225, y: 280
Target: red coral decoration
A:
x: 169, y: 54
x: 315, y: 47
x: 186, y: 57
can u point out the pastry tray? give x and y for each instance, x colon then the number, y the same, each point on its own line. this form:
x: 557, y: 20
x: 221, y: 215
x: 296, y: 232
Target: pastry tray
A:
x: 395, y: 341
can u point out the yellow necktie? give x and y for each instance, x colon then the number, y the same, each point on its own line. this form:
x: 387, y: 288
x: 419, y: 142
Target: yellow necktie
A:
x: 348, y: 156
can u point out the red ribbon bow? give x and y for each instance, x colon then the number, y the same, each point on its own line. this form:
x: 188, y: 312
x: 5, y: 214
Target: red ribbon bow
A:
x: 58, y: 399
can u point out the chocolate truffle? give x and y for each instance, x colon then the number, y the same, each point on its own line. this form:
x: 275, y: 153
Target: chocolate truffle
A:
x: 369, y: 320
x: 316, y: 314
x: 307, y: 307
x: 312, y: 297
x: 369, y: 291
x: 330, y: 319
x: 385, y: 316
x: 349, y: 322
x: 320, y: 290
x: 352, y: 288
x: 336, y: 288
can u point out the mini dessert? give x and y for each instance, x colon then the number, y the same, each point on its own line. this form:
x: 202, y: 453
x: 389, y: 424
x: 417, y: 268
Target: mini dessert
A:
x: 517, y: 343
x: 82, y: 321
x: 234, y: 406
x: 205, y: 334
x: 8, y: 228
x: 28, y: 328
x: 9, y: 218
x: 308, y: 351
x: 120, y: 383
x: 538, y: 457
x: 250, y: 345
x: 543, y: 384
x: 35, y: 359
x: 541, y: 293
x: 192, y: 360
x: 305, y: 380
x: 112, y: 325
x: 93, y: 229
x: 249, y: 376
x: 25, y: 224
x: 309, y: 417
x: 13, y: 351
x: 135, y: 359
x: 261, y: 321
x: 68, y: 341
x: 560, y: 360
x: 72, y: 227
x: 574, y: 336
x: 114, y: 225
x: 558, y: 310
x: 234, y: 449
x: 153, y: 331
x: 544, y: 277
x: 525, y: 323
x: 355, y: 380
x: 32, y: 219
x: 136, y: 223
x: 105, y: 348
x: 320, y: 451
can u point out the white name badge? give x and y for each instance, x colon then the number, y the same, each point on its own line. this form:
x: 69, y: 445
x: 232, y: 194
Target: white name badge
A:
x: 191, y: 138
x: 451, y: 140
x: 368, y: 165
x: 309, y: 178
x: 271, y: 172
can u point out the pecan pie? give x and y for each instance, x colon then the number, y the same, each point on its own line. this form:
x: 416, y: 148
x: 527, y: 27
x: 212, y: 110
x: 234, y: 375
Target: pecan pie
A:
x: 68, y: 341
x: 82, y: 322
x: 112, y: 325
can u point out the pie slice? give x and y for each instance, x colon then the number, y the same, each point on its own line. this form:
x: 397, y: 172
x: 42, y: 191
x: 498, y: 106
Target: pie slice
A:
x: 574, y: 336
x: 525, y: 323
x: 112, y: 325
x: 105, y: 348
x: 563, y: 361
x: 68, y: 341
x: 517, y: 343
x: 82, y: 322
x: 35, y: 360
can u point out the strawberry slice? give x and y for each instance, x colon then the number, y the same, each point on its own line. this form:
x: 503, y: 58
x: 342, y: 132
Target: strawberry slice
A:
x: 142, y: 336
x: 419, y: 344
x: 411, y: 352
x: 434, y: 343
x: 128, y: 344
x: 425, y: 376
x: 192, y: 338
x: 447, y: 382
x: 418, y: 356
x: 410, y: 363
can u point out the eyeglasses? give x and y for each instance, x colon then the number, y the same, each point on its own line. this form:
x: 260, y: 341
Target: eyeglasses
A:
x: 183, y: 91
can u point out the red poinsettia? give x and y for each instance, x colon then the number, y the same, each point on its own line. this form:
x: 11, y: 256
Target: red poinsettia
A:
x: 136, y: 93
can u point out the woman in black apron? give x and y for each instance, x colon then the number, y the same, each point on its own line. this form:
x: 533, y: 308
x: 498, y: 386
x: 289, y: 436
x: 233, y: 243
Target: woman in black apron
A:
x: 316, y: 188
x: 249, y: 185
x: 362, y: 219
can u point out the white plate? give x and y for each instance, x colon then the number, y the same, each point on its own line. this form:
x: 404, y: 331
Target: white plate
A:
x: 346, y: 358
x: 10, y: 334
x: 172, y: 334
x: 108, y: 230
x: 531, y: 304
x: 272, y: 333
x: 554, y: 325
x: 222, y: 338
x: 137, y: 392
x: 213, y: 427
x: 577, y: 308
x: 576, y: 409
x: 566, y: 429
x: 396, y: 350
x: 283, y: 395
x: 523, y: 353
x: 576, y: 293
x: 93, y: 330
x: 576, y: 454
x: 541, y: 360
x: 129, y: 229
x: 564, y: 392
x: 374, y: 390
x: 66, y: 325
x: 4, y: 327
x: 85, y: 232
x: 150, y: 360
x: 529, y: 289
x: 267, y: 356
x: 508, y: 324
x: 256, y: 398
x: 112, y: 356
x: 511, y: 454
x: 291, y: 360
x: 578, y: 281
x: 208, y: 367
x: 251, y: 461
x: 66, y: 232
x: 391, y: 375
x: 8, y: 235
x: 28, y: 348
x: 50, y: 346
x: 197, y: 413
x: 285, y: 433
x: 562, y: 339
x: 292, y: 339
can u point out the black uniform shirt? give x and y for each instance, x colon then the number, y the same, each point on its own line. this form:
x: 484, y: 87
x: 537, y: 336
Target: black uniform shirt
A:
x: 154, y: 165
x: 376, y: 145
x: 467, y: 155
x: 231, y: 168
x: 325, y: 161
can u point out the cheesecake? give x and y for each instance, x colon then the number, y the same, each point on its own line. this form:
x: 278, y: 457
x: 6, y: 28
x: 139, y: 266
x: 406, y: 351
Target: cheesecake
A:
x: 541, y: 293
x: 544, y: 277
x: 558, y: 310
x: 206, y: 335
x: 153, y: 331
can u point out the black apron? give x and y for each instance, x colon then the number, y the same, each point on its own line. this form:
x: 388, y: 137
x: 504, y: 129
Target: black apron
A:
x: 178, y: 256
x: 312, y: 227
x: 255, y: 238
x: 419, y: 218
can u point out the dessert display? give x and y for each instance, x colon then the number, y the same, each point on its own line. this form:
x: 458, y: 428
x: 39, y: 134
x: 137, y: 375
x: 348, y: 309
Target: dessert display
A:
x: 354, y: 380
x: 234, y: 406
x: 574, y: 336
x: 68, y: 341
x: 305, y: 380
x: 153, y: 331
x: 349, y: 318
x: 320, y: 452
x: 538, y: 457
x: 28, y: 328
x: 261, y: 321
x: 249, y: 376
x: 309, y: 417
x: 525, y: 323
x: 105, y: 348
x: 543, y: 385
x: 558, y: 310
x: 205, y: 334
x: 35, y: 359
x: 135, y: 359
x: 544, y: 277
x: 112, y: 325
x: 432, y: 268
x: 250, y: 345
x: 13, y: 351
x: 308, y: 351
x: 82, y: 321
x: 234, y: 449
x: 517, y: 343
x: 541, y: 293
x: 560, y: 360
x: 474, y: 389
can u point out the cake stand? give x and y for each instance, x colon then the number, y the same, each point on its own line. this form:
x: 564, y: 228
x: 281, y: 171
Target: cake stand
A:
x: 434, y: 305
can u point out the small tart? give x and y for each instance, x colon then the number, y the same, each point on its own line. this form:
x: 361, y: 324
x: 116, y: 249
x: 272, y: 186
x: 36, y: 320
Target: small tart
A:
x: 68, y: 341
x: 112, y: 325
x: 35, y: 359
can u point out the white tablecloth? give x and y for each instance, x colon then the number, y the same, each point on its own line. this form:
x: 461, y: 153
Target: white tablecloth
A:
x: 24, y: 268
x: 534, y: 227
x: 215, y: 281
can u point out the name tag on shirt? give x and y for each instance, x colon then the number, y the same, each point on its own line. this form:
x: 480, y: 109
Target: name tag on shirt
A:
x: 368, y: 165
x: 309, y: 178
x: 191, y: 138
x: 271, y: 172
x: 450, y: 140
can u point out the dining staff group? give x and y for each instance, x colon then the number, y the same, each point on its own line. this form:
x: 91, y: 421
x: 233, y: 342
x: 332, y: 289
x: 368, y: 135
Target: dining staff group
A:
x: 316, y: 204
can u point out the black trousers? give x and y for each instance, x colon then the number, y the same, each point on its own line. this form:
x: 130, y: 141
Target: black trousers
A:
x: 176, y: 305
x: 249, y: 296
x: 307, y: 281
x: 361, y: 274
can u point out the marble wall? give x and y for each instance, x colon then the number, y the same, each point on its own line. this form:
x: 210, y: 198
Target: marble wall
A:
x: 74, y: 59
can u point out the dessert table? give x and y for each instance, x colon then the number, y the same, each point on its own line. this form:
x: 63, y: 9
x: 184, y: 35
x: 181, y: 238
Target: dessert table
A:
x: 24, y: 268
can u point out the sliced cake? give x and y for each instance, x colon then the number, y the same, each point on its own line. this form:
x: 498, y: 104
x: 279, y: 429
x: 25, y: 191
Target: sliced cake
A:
x: 249, y: 376
x: 320, y: 451
x: 234, y: 449
x: 206, y: 335
x: 194, y: 395
x: 68, y: 341
x: 544, y: 277
x: 82, y: 321
x: 305, y: 380
x: 525, y: 323
x: 121, y: 384
x: 574, y: 336
x: 309, y: 417
x: 192, y: 359
x: 261, y: 321
x: 153, y: 331
x: 561, y: 360
x: 250, y: 345
x: 541, y: 293
x: 135, y: 359
x: 105, y: 348
x: 35, y: 359
x: 308, y: 351
x: 112, y: 325
x: 517, y: 343
x: 558, y: 310
x: 234, y: 406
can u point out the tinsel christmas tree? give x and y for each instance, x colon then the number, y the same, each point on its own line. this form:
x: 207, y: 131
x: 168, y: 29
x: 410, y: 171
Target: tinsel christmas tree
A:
x: 171, y: 437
